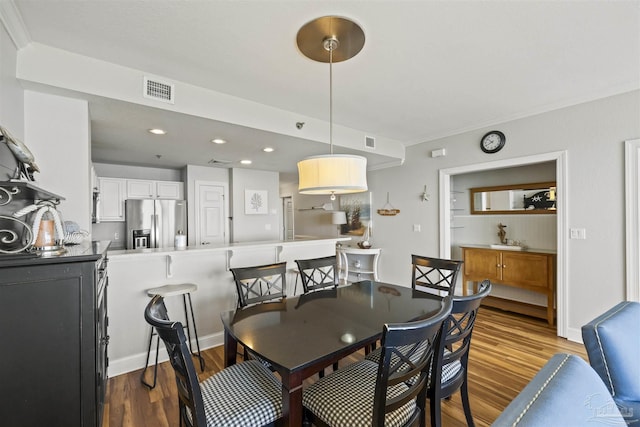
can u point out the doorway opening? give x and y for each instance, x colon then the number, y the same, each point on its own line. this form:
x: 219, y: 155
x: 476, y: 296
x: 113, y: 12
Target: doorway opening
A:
x: 560, y: 159
x: 288, y: 225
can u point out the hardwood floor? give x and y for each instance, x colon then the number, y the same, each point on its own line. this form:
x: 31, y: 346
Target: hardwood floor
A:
x: 506, y: 351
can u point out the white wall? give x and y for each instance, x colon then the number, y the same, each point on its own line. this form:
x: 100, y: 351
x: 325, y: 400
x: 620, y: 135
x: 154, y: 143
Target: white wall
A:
x: 11, y: 98
x: 593, y: 135
x: 57, y: 132
x: 137, y: 172
x: 248, y: 228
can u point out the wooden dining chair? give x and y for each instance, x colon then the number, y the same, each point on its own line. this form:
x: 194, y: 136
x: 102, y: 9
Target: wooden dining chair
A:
x: 257, y: 285
x: 260, y: 283
x: 380, y: 394
x: 245, y: 394
x: 434, y: 274
x: 318, y: 273
x: 458, y: 328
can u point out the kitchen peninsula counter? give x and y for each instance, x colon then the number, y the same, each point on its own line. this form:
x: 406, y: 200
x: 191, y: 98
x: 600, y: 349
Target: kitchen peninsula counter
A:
x: 132, y: 272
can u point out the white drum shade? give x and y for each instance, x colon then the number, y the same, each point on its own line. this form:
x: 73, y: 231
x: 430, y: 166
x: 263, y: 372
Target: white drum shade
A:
x: 332, y: 174
x: 338, y: 217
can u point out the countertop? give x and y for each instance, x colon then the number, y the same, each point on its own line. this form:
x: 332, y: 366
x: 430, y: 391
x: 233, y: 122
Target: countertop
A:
x: 87, y: 251
x: 525, y: 249
x: 223, y: 247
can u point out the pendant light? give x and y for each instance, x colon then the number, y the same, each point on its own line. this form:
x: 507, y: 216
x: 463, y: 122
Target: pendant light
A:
x: 331, y: 39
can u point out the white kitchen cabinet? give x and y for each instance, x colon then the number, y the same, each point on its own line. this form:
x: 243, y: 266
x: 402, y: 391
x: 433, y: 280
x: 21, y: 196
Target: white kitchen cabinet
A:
x: 169, y: 190
x: 141, y: 189
x: 147, y: 189
x: 112, y: 196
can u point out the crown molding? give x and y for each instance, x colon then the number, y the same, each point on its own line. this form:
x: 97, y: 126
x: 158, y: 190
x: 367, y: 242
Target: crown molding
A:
x: 12, y: 21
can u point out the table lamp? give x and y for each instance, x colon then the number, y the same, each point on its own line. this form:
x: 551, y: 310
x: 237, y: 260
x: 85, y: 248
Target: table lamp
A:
x: 338, y: 218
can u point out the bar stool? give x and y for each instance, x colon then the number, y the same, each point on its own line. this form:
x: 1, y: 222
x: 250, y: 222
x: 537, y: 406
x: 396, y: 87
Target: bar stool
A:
x: 165, y: 291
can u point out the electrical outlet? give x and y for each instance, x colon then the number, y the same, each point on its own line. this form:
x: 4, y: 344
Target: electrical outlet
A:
x: 416, y: 228
x: 116, y: 236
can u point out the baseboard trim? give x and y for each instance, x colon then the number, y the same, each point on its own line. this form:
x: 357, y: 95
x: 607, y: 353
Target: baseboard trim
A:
x: 137, y: 361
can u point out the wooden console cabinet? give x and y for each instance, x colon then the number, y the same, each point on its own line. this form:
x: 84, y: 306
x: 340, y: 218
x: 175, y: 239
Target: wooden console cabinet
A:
x: 53, y: 324
x: 531, y: 270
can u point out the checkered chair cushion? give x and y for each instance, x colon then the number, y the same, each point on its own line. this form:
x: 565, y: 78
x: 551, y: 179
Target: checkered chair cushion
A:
x: 448, y: 371
x: 245, y: 394
x: 345, y: 398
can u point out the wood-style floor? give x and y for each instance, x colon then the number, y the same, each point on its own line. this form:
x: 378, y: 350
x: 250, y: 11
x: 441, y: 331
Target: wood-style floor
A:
x: 506, y: 351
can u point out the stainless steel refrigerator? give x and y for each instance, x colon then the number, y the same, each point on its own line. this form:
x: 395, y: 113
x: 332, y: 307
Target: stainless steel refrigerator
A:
x: 154, y: 223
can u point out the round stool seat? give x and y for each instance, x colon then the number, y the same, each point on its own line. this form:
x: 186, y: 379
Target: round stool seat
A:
x: 184, y: 289
x: 172, y: 290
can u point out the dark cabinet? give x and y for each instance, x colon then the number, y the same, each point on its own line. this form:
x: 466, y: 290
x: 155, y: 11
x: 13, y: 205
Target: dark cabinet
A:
x: 53, y: 332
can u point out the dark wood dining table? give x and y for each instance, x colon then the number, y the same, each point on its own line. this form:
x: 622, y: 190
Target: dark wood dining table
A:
x: 300, y: 336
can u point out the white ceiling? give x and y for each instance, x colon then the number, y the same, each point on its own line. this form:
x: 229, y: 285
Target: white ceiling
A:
x: 428, y: 68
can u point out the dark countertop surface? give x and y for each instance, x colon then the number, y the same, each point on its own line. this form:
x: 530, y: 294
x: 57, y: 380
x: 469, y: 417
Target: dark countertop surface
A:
x: 86, y: 251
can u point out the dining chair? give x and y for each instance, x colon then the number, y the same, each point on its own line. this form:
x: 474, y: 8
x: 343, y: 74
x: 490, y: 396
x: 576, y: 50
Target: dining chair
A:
x: 257, y: 285
x: 260, y: 283
x: 318, y: 273
x: 367, y: 393
x: 245, y: 394
x: 434, y: 273
x: 458, y: 328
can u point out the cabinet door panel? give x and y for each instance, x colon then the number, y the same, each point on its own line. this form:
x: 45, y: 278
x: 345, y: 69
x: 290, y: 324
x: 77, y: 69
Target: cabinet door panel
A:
x: 481, y: 264
x: 112, y: 196
x: 140, y: 189
x: 525, y: 269
x: 169, y: 190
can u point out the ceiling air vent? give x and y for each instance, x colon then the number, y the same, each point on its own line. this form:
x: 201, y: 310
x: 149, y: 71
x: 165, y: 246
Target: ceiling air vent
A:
x: 160, y: 91
x: 369, y: 142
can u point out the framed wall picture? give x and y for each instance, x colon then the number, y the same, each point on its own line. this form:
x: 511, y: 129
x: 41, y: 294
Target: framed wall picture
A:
x: 357, y: 207
x: 255, y: 202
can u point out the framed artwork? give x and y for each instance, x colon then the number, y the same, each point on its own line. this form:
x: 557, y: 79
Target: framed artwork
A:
x: 255, y: 202
x: 357, y: 207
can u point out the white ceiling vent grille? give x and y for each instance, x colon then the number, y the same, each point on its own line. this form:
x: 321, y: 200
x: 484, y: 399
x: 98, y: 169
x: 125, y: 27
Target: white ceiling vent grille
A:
x: 369, y: 142
x: 160, y: 91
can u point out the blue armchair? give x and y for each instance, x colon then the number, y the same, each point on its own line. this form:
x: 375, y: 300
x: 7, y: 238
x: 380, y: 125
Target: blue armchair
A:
x: 565, y: 392
x: 612, y: 341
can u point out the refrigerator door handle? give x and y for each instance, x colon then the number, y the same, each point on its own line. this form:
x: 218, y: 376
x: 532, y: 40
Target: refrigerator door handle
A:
x: 155, y: 232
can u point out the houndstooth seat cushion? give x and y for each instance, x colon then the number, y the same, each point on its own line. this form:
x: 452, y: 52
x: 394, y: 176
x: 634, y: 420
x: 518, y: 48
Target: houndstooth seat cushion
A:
x: 245, y: 394
x: 448, y: 371
x: 345, y: 398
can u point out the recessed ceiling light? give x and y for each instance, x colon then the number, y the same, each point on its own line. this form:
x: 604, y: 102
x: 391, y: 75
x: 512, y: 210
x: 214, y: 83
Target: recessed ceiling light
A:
x: 267, y: 149
x: 245, y: 162
x: 218, y: 141
x: 157, y: 131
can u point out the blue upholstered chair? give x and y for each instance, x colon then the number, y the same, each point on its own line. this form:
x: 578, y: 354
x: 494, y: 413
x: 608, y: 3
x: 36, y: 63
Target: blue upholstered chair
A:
x: 612, y: 341
x: 565, y: 392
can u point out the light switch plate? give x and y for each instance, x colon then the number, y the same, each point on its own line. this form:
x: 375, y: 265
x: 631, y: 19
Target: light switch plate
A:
x: 578, y: 233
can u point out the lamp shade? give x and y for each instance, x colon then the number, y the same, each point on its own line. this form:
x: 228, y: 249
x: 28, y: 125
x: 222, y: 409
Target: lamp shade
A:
x: 332, y: 174
x: 338, y: 217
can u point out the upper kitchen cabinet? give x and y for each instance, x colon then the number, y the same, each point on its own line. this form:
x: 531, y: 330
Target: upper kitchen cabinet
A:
x: 146, y: 189
x: 113, y: 192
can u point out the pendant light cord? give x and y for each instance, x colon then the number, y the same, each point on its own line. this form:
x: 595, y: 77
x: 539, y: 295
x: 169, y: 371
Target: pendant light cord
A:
x: 331, y: 47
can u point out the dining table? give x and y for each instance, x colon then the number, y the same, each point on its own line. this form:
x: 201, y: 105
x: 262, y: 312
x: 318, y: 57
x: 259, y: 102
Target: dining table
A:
x: 300, y: 336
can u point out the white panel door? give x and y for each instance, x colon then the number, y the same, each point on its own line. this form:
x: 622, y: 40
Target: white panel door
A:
x: 210, y: 214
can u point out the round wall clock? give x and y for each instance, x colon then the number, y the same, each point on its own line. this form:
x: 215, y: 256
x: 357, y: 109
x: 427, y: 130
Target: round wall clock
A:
x: 493, y: 141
